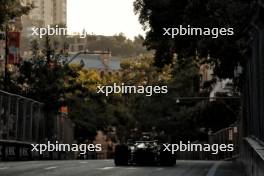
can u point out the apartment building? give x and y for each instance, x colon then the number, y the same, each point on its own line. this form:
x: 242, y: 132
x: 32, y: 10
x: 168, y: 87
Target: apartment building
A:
x: 48, y: 11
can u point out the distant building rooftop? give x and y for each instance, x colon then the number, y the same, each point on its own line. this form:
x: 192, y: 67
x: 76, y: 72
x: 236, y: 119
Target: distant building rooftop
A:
x: 96, y: 62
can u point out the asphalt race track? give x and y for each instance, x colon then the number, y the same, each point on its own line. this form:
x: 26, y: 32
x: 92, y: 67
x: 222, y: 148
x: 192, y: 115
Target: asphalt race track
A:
x: 107, y: 168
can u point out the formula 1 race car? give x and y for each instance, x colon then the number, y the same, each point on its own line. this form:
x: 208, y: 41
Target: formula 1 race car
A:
x: 146, y: 153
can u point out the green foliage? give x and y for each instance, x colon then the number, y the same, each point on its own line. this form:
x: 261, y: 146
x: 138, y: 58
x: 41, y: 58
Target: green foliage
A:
x: 226, y: 51
x: 11, y: 9
x: 216, y: 115
x: 141, y: 71
x: 8, y: 11
x: 90, y: 111
x: 42, y: 77
x: 161, y: 112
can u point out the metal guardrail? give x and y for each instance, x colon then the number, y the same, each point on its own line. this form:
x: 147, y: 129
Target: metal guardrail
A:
x: 224, y: 136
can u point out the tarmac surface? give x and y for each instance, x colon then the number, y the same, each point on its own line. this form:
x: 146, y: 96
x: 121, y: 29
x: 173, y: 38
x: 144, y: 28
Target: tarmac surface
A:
x: 107, y: 168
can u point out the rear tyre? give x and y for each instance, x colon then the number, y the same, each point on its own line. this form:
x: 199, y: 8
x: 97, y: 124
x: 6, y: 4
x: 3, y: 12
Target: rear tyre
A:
x: 121, y: 155
x: 167, y: 158
x: 145, y: 158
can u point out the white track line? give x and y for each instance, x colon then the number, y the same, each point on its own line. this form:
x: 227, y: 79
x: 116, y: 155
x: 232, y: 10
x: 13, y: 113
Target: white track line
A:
x: 52, y: 167
x: 3, y: 168
x: 106, y: 168
x: 213, y: 169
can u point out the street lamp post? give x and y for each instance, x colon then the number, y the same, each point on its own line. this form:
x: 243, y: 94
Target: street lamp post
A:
x: 6, y: 54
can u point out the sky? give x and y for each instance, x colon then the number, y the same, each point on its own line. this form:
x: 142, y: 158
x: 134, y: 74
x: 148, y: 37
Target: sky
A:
x: 103, y: 17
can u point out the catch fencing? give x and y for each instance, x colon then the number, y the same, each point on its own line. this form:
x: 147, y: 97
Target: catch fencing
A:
x: 21, y: 123
x: 21, y: 118
x: 225, y: 136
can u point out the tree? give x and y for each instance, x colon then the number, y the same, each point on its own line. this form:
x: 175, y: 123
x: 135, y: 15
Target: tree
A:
x: 91, y: 111
x: 226, y: 51
x: 163, y: 113
x: 11, y: 9
x: 42, y: 77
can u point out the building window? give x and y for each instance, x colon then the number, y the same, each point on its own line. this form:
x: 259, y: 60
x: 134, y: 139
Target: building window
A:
x: 80, y: 47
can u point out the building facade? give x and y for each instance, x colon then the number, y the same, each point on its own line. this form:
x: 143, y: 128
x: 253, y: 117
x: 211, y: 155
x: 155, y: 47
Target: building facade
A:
x: 48, y: 11
x: 60, y: 12
x: 44, y: 13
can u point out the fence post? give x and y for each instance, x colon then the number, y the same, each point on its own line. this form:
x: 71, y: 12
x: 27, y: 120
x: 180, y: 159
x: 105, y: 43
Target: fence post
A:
x: 31, y: 120
x: 37, y: 123
x: 17, y: 118
x: 8, y: 116
x: 24, y: 120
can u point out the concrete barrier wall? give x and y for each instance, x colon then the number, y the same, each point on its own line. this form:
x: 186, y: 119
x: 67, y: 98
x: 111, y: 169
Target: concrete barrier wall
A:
x: 252, y: 156
x: 252, y: 122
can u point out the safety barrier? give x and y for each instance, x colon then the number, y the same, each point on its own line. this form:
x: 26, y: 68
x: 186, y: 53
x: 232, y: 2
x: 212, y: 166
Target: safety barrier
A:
x: 21, y: 123
x: 224, y: 136
x: 21, y: 118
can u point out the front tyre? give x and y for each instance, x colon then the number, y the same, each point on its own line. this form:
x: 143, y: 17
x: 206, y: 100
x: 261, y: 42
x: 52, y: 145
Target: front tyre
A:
x: 167, y: 158
x: 121, y: 155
